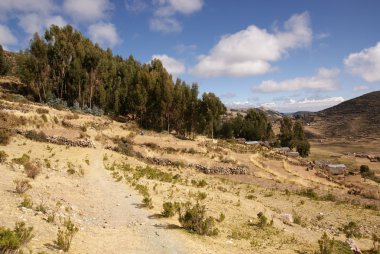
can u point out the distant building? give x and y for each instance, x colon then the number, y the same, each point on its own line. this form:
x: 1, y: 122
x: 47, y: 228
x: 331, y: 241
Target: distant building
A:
x: 337, y: 169
x: 282, y: 150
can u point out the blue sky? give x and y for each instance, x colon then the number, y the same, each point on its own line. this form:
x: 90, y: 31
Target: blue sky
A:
x: 288, y: 55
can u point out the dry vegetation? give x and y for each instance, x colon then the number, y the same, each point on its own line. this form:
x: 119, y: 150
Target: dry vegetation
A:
x: 113, y: 198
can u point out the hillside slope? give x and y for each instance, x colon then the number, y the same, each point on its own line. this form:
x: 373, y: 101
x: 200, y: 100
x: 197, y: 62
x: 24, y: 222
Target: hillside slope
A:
x: 358, y: 117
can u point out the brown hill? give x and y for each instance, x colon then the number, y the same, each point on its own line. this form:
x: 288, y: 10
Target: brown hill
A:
x: 358, y: 117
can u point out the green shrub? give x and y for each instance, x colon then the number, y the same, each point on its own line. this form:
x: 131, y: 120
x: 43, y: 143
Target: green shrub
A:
x: 27, y: 202
x: 222, y: 217
x: 21, y: 160
x: 12, y: 240
x: 65, y: 236
x: 147, y: 202
x: 152, y: 173
x: 351, y: 230
x: 201, y: 195
x: 310, y: 193
x: 200, y: 184
x: 169, y: 209
x: 193, y: 219
x: 326, y: 245
x: 263, y: 220
x: 22, y: 186
x: 3, y: 156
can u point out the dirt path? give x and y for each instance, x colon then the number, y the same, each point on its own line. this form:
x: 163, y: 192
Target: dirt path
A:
x: 117, y: 223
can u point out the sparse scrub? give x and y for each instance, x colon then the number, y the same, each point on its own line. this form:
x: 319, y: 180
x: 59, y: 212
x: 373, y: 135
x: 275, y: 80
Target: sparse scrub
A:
x: 12, y: 240
x: 44, y: 118
x: 22, y: 186
x: 310, y: 193
x: 21, y: 160
x: 65, y: 236
x: 41, y: 208
x: 221, y: 218
x: 169, y: 209
x: 326, y: 245
x: 152, y: 173
x: 263, y: 220
x: 70, y: 168
x: 3, y: 156
x: 351, y: 230
x: 200, y: 184
x: 42, y: 111
x: 5, y: 136
x: 147, y: 202
x: 27, y: 202
x: 193, y: 219
x: 239, y: 234
x: 32, y: 169
x: 201, y: 195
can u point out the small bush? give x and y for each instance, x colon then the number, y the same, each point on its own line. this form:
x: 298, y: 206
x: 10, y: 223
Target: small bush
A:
x: 65, y: 236
x: 3, y: 156
x: 351, y: 230
x: 36, y: 136
x: 12, y: 240
x: 22, y: 186
x: 310, y: 193
x: 193, y: 219
x: 42, y: 111
x: 326, y: 245
x: 44, y: 118
x: 56, y: 121
x: 169, y: 209
x: 200, y: 184
x: 41, y: 208
x: 27, y: 202
x: 147, y: 202
x: 83, y: 128
x: 263, y: 220
x: 201, y: 195
x: 21, y: 160
x: 5, y: 137
x: 222, y: 217
x: 32, y: 169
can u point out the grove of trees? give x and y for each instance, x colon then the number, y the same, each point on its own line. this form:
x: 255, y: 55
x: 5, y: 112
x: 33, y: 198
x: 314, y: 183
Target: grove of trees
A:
x: 64, y: 67
x: 293, y: 136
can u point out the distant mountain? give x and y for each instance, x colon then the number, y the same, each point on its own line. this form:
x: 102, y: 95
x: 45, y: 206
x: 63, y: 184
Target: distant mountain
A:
x: 270, y: 113
x: 358, y: 117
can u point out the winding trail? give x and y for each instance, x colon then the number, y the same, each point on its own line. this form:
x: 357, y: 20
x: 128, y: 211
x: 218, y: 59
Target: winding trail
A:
x: 117, y: 224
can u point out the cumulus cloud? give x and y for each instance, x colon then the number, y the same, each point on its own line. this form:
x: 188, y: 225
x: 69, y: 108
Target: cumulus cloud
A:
x: 325, y: 80
x: 306, y: 104
x: 360, y: 88
x: 34, y: 23
x: 365, y: 63
x: 172, y: 65
x: 104, y: 33
x: 87, y: 10
x: 250, y: 52
x: 26, y: 6
x: 164, y: 19
x: 6, y: 37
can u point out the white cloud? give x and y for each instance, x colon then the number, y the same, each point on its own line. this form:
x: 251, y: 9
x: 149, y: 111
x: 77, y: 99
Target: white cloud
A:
x: 365, y: 63
x: 87, y: 10
x: 34, y: 23
x: 6, y: 36
x: 163, y: 19
x: 172, y: 65
x: 104, y: 33
x: 306, y: 104
x: 26, y: 6
x: 360, y: 88
x: 165, y: 25
x: 325, y: 80
x: 135, y: 5
x: 250, y: 52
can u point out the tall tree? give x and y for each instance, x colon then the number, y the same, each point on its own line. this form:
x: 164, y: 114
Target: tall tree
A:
x: 286, y: 133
